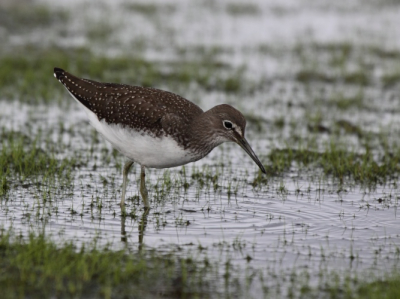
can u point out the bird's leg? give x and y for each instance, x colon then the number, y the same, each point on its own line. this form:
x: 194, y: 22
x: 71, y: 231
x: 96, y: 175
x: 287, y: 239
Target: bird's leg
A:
x: 127, y: 166
x: 143, y: 190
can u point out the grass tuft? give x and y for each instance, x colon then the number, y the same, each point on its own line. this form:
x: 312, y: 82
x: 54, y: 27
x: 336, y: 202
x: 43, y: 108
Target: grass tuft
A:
x: 23, y: 160
x: 336, y: 161
x: 19, y: 18
x: 242, y: 9
x: 38, y: 268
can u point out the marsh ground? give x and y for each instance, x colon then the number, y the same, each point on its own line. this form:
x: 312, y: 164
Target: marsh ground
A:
x: 319, y: 86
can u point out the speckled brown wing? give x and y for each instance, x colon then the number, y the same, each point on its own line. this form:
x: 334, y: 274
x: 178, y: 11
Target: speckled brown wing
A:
x: 145, y: 109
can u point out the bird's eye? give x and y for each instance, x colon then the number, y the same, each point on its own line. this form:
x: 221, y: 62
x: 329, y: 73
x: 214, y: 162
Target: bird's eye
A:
x: 227, y: 124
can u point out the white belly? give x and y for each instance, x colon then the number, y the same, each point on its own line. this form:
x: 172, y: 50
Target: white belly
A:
x: 141, y: 148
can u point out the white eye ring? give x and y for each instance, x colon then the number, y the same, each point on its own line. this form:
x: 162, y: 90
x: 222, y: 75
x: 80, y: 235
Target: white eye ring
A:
x: 227, y: 124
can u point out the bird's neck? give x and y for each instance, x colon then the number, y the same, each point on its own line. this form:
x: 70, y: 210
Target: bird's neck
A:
x: 202, y: 134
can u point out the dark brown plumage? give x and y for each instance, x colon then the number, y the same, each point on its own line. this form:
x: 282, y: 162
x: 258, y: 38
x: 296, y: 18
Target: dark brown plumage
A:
x: 141, y: 108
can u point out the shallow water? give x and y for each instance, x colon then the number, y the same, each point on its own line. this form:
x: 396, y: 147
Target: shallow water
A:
x: 312, y: 223
x: 301, y: 220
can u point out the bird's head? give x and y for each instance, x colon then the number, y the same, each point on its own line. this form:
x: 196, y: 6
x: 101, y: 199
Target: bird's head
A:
x: 229, y: 126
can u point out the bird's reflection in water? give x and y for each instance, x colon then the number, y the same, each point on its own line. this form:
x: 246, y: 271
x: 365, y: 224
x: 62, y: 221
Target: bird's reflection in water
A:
x: 142, y: 227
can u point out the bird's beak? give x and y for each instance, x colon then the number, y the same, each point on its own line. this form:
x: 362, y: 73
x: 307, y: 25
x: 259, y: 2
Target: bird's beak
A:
x: 247, y: 148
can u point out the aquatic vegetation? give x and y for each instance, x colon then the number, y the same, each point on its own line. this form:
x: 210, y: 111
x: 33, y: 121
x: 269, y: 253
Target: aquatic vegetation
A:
x: 25, y: 162
x: 322, y: 111
x: 29, y: 75
x: 65, y: 271
x: 341, y: 164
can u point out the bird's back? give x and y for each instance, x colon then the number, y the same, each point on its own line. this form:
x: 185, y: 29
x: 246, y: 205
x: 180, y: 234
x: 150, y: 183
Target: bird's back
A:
x: 140, y: 108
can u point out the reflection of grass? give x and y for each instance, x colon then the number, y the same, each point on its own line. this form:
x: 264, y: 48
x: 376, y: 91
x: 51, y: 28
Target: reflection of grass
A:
x: 29, y: 77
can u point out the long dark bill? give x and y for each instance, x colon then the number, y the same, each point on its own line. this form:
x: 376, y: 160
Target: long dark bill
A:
x: 247, y: 148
